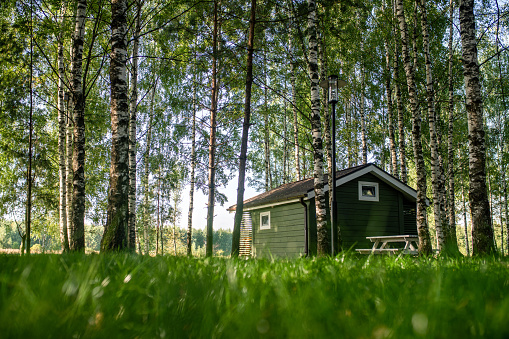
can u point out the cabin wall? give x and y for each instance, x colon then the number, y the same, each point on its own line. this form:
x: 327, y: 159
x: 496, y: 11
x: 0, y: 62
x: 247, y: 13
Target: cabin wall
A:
x: 285, y: 238
x: 359, y: 219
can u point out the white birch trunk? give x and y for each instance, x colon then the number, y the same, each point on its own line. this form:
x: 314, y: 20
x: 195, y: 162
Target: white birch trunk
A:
x: 115, y: 236
x: 326, y: 116
x: 482, y: 232
x: 323, y: 247
x: 364, y: 142
x: 450, y: 135
x: 68, y: 169
x: 465, y: 229
x: 144, y: 179
x: 266, y: 143
x: 133, y: 106
x: 212, y: 139
x: 399, y: 102
x: 77, y: 226
x: 64, y: 240
x: 390, y: 108
x: 422, y: 225
x: 192, y: 178
x: 435, y: 168
x: 295, y: 124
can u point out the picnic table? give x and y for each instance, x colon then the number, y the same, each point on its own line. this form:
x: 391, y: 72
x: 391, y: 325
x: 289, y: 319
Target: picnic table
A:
x: 380, y: 244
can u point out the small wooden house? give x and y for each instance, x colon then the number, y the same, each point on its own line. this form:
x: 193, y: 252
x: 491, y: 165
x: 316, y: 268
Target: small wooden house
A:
x: 370, y: 202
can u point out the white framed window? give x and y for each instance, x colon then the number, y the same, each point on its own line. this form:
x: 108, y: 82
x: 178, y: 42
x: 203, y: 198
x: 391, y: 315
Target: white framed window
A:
x: 265, y: 220
x: 368, y: 191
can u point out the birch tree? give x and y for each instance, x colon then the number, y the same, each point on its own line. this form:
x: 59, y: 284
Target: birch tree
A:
x: 144, y: 179
x: 326, y: 115
x: 320, y: 205
x: 435, y: 166
x: 450, y: 136
x: 192, y: 176
x: 115, y: 236
x: 390, y: 108
x: 482, y: 231
x: 422, y: 226
x: 399, y: 103
x: 212, y: 137
x: 133, y: 106
x: 77, y: 226
x: 61, y: 135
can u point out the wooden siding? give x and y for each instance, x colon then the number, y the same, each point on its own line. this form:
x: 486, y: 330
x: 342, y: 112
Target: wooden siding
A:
x: 359, y: 219
x: 285, y: 238
x: 410, y: 224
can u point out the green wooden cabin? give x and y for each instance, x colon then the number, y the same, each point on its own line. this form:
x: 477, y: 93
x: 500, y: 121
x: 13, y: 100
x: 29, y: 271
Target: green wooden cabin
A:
x: 370, y: 202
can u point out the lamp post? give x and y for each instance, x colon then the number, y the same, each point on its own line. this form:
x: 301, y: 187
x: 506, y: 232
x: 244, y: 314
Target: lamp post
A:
x: 333, y: 84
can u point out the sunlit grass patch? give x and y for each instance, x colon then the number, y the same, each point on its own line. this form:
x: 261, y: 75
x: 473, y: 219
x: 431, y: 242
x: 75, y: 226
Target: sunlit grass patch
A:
x: 110, y: 296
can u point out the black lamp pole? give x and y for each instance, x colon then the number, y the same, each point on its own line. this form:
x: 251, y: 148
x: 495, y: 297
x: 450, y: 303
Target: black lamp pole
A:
x: 333, y: 84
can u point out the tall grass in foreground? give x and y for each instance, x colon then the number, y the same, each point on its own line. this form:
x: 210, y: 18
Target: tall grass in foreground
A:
x: 124, y: 296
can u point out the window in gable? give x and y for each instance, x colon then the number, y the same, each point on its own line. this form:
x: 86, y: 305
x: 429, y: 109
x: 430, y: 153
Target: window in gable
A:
x: 368, y: 191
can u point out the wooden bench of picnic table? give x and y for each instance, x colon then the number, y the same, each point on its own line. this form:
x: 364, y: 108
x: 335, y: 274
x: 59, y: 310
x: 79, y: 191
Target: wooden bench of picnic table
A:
x: 383, y: 240
x: 378, y: 250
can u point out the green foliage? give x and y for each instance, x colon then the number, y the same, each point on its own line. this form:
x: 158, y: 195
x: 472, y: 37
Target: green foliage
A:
x: 117, y: 296
x: 9, y: 236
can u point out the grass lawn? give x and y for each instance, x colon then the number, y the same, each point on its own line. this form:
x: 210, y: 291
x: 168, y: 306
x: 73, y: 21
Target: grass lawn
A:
x: 127, y: 296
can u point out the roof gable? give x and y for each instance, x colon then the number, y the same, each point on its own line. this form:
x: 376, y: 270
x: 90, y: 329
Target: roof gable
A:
x: 408, y: 191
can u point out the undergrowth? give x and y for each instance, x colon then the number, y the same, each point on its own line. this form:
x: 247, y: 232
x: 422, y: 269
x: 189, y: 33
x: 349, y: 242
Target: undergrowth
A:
x: 129, y: 296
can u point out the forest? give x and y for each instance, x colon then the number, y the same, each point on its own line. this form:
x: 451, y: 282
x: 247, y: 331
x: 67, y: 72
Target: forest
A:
x: 111, y: 111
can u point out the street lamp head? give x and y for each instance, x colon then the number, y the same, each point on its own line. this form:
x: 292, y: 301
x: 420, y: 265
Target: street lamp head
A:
x: 333, y: 83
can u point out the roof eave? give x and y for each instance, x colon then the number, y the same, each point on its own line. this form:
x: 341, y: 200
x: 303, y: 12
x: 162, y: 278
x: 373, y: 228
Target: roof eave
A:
x: 271, y: 204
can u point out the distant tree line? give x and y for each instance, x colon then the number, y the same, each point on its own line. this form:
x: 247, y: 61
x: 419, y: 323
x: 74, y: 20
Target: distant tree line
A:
x: 45, y: 240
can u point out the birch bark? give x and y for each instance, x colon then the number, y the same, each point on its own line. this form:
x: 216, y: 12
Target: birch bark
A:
x: 144, y: 179
x: 295, y: 123
x: 116, y: 230
x: 158, y: 220
x: 133, y: 106
x: 364, y: 142
x: 430, y: 99
x: 450, y: 135
x: 294, y: 104
x: 266, y: 142
x: 482, y: 232
x: 192, y: 178
x: 77, y: 226
x: 422, y: 226
x: 390, y: 110
x: 212, y: 138
x: 323, y: 247
x: 465, y: 223
x: 68, y: 167
x: 506, y: 216
x: 326, y: 116
x: 61, y: 136
x: 400, y: 110
x: 348, y: 123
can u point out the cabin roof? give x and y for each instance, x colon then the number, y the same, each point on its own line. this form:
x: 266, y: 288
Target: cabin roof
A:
x: 296, y: 190
x: 305, y: 188
x: 290, y: 191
